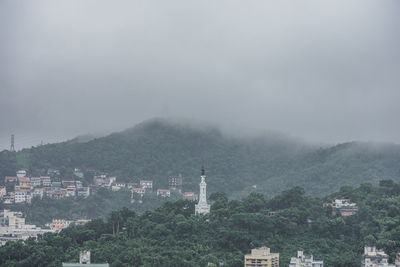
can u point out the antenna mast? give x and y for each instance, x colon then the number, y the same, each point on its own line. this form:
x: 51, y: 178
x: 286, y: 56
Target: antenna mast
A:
x: 12, y: 148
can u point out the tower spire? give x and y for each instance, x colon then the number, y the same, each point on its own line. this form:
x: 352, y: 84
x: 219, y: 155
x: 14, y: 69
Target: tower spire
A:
x: 202, y: 207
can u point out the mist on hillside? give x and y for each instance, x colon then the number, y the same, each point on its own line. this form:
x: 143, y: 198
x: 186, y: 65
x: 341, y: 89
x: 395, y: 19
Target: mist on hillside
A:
x: 323, y: 71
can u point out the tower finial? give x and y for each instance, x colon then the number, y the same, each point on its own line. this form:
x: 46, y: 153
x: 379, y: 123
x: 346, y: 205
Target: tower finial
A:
x: 202, y: 171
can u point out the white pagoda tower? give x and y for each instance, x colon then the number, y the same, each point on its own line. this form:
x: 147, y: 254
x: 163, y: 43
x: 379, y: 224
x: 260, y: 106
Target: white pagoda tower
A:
x: 202, y: 207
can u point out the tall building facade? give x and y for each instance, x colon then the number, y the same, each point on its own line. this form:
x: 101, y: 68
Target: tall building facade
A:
x: 261, y: 257
x: 175, y: 182
x: 202, y: 207
x: 304, y: 261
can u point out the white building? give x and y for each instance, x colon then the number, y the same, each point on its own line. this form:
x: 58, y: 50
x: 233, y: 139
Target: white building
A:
x: 164, y: 192
x: 16, y: 229
x: 147, y: 184
x: 377, y: 258
x: 35, y: 181
x: 71, y: 191
x: 22, y: 197
x: 202, y: 207
x: 38, y: 192
x: 45, y: 180
x: 21, y: 173
x: 83, y: 192
x: 304, y: 261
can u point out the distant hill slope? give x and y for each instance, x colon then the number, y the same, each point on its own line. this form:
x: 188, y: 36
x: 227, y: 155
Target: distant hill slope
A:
x: 158, y: 148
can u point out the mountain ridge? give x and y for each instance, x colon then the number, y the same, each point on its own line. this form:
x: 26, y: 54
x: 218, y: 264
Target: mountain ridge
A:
x: 157, y: 148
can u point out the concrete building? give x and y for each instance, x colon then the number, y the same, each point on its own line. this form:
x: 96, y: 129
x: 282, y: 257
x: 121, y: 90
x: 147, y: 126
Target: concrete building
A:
x: 81, y: 222
x: 103, y: 180
x: 9, y: 198
x: 83, y: 192
x: 120, y: 184
x: 21, y: 173
x: 13, y: 227
x: 202, y: 207
x: 85, y: 261
x: 190, y: 196
x: 78, y: 184
x: 71, y: 191
x: 115, y: 188
x: 38, y: 192
x: 3, y: 191
x: 66, y: 183
x: 22, y: 197
x: 163, y: 192
x: 304, y: 261
x: 261, y: 257
x: 58, y: 224
x: 377, y: 258
x: 45, y: 181
x: 344, y: 206
x: 132, y: 185
x: 35, y: 181
x: 146, y: 184
x: 175, y: 182
x: 139, y: 191
x: 24, y: 183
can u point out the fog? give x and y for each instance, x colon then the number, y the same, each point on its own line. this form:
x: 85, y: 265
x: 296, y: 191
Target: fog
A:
x: 324, y: 71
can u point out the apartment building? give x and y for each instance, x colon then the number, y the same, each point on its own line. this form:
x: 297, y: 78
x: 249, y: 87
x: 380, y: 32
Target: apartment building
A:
x: 261, y: 257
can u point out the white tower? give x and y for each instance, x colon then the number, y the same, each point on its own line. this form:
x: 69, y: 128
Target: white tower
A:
x: 202, y: 207
x: 84, y: 257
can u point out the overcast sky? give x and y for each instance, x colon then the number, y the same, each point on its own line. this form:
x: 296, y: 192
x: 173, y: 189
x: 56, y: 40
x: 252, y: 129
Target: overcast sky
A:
x: 325, y: 71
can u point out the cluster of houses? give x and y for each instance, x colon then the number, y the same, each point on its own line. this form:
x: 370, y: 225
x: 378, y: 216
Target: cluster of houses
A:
x: 59, y: 224
x: 138, y: 190
x: 13, y: 227
x: 373, y: 257
x: 344, y: 206
x: 21, y: 188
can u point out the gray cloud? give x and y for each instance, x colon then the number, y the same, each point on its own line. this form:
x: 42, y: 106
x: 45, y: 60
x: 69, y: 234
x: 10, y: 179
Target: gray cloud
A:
x: 321, y: 70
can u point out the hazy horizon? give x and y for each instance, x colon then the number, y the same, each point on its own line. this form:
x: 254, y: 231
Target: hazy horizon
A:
x: 322, y: 71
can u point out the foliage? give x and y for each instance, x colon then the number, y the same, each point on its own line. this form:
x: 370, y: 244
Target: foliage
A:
x: 236, y: 166
x: 98, y: 205
x: 172, y: 236
x: 8, y: 164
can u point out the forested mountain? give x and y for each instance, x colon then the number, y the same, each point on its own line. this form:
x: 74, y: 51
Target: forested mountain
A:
x: 173, y: 236
x: 238, y: 166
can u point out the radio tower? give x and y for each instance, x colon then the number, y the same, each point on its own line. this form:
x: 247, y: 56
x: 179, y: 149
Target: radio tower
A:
x: 12, y: 148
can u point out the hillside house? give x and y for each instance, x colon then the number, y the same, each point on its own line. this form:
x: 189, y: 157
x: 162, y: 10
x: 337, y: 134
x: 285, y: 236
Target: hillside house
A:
x: 146, y: 184
x: 35, y: 181
x: 83, y: 192
x: 21, y: 173
x: 175, y: 182
x: 71, y: 191
x: 45, y: 181
x: 139, y: 191
x: 24, y: 183
x: 163, y: 192
x: 190, y: 196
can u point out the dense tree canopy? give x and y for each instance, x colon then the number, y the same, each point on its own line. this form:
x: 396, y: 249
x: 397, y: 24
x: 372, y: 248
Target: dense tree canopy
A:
x: 172, y: 236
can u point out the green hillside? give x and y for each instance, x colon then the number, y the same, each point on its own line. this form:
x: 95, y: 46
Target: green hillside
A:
x: 237, y: 166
